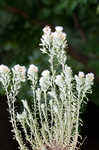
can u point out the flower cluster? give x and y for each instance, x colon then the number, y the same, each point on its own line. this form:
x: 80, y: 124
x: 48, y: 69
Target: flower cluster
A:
x: 52, y: 42
x: 84, y: 83
x: 52, y: 121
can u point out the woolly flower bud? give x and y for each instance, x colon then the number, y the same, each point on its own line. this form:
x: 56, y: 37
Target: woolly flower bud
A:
x: 32, y: 69
x: 45, y: 73
x: 80, y: 78
x: 58, y: 37
x: 59, y: 40
x: 89, y: 80
x: 45, y: 80
x: 80, y: 81
x: 19, y: 72
x: 19, y: 69
x: 59, y: 81
x: 46, y: 39
x: 4, y: 75
x: 44, y: 83
x: 81, y: 75
x: 32, y: 73
x: 4, y: 69
x: 59, y: 28
x: 68, y: 70
x: 47, y: 30
x: 90, y: 77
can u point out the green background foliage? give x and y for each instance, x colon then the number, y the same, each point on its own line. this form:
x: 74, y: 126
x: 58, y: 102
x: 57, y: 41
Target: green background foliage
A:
x: 21, y: 23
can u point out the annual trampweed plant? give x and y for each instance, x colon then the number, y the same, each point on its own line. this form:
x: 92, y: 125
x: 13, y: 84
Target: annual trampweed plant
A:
x: 52, y: 120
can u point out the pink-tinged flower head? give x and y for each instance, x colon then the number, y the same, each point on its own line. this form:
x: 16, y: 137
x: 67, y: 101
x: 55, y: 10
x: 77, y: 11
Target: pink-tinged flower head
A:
x: 19, y: 72
x: 47, y: 30
x: 4, y: 69
x: 32, y: 69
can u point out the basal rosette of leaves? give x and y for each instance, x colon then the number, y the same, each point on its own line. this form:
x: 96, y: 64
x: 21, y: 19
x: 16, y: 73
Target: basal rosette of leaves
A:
x: 52, y: 120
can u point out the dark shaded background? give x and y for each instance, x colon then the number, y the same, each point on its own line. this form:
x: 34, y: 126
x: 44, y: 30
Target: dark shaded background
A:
x: 21, y: 23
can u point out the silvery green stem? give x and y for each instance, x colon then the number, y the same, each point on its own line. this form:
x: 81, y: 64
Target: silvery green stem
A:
x: 28, y: 138
x: 33, y: 127
x: 52, y: 120
x: 34, y: 101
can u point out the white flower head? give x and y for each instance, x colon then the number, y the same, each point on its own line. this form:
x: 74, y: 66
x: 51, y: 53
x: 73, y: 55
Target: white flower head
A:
x: 32, y: 73
x: 44, y: 83
x: 68, y: 71
x: 46, y: 73
x: 5, y: 75
x: 90, y: 76
x: 4, y: 69
x: 81, y: 74
x: 59, y: 81
x: 59, y: 28
x: 19, y: 72
x: 89, y: 80
x: 80, y: 81
x: 80, y: 78
x: 59, y: 40
x: 20, y: 69
x: 47, y: 30
x: 45, y: 80
x: 46, y: 39
x: 59, y: 34
x: 32, y: 69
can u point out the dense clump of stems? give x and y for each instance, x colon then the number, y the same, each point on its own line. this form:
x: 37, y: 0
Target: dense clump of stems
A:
x: 52, y: 122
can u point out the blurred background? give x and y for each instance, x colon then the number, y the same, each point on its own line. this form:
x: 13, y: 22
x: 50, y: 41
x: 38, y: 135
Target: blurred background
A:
x: 21, y: 23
